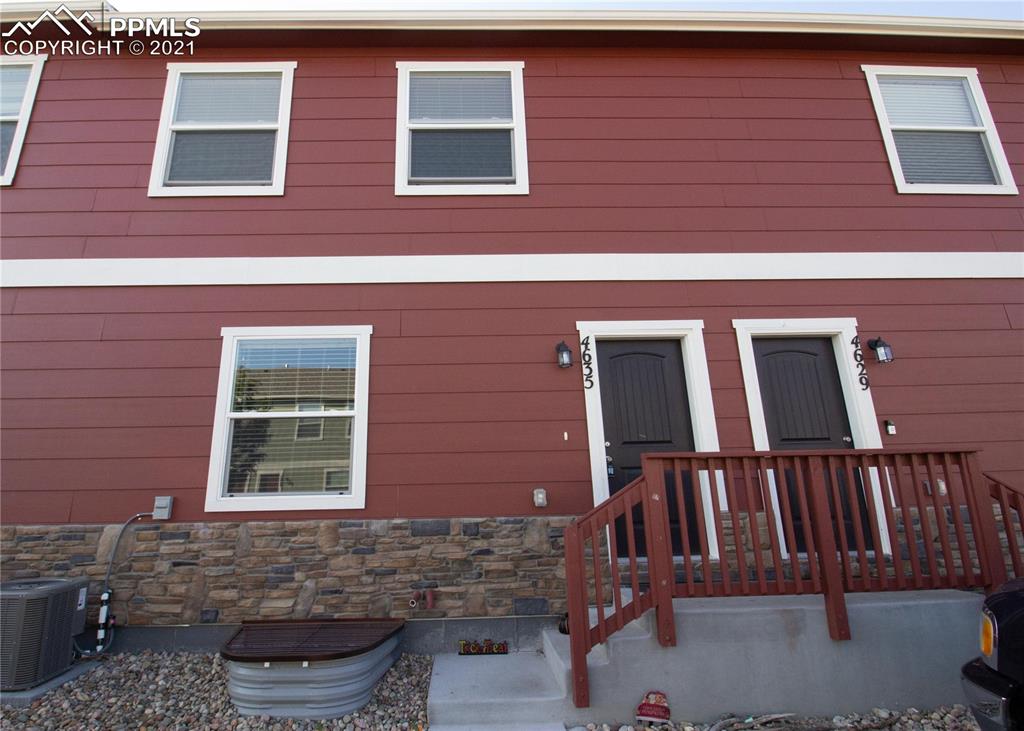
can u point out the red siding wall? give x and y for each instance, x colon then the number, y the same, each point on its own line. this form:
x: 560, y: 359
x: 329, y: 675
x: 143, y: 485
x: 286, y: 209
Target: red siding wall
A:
x: 630, y: 150
x: 108, y: 393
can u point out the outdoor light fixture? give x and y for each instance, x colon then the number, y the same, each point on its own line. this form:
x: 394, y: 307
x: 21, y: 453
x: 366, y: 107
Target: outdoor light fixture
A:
x: 564, y: 355
x: 883, y: 351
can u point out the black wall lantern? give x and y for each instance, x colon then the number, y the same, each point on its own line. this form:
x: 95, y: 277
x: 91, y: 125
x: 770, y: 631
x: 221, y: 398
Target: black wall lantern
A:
x: 883, y: 351
x: 564, y: 355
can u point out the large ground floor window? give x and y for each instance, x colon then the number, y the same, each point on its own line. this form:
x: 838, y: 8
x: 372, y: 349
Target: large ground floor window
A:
x: 290, y: 425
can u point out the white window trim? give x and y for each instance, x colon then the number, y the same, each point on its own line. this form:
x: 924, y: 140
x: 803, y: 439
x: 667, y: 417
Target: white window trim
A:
x: 161, y: 154
x: 690, y: 334
x: 1005, y: 186
x: 35, y: 64
x: 356, y: 499
x: 860, y: 407
x: 521, y: 186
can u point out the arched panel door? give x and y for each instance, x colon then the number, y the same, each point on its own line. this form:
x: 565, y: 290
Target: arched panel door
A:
x: 801, y: 393
x: 804, y: 409
x: 645, y: 409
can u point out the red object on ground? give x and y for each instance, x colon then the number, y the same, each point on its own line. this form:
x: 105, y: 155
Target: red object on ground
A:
x: 654, y: 707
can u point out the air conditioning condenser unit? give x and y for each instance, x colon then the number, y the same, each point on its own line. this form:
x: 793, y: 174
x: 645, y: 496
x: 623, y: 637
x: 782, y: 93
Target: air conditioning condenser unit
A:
x: 38, y: 621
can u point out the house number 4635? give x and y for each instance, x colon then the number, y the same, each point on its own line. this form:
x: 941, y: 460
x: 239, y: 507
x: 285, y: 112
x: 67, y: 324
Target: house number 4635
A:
x: 858, y: 358
x: 588, y: 363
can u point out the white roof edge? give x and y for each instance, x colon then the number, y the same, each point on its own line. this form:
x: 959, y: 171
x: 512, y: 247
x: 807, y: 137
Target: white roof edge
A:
x: 611, y: 21
x: 607, y: 20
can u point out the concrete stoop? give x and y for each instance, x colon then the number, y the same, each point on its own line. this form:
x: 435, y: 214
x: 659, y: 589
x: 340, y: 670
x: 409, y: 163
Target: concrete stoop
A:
x: 515, y: 691
x: 741, y: 655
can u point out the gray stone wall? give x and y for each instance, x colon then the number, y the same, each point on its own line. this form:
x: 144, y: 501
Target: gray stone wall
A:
x: 229, y: 572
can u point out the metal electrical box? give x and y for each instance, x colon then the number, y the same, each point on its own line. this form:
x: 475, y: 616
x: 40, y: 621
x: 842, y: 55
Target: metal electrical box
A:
x: 162, y: 507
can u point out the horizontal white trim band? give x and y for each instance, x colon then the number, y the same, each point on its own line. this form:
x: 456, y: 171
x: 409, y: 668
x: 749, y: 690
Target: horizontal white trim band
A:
x: 508, y: 268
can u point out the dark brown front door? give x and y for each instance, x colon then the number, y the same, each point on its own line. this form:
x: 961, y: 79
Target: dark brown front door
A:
x: 802, y: 397
x: 804, y: 409
x: 645, y: 409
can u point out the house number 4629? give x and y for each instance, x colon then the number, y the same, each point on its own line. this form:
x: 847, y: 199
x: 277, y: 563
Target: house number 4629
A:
x: 858, y: 358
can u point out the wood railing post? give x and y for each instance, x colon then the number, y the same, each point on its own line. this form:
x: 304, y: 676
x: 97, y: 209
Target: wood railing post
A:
x: 579, y: 631
x: 985, y: 525
x: 659, y: 549
x: 825, y: 541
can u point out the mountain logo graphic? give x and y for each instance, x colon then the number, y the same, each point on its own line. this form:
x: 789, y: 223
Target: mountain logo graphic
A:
x: 79, y: 20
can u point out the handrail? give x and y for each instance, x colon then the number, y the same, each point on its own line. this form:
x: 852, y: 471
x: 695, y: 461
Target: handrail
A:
x: 597, y: 532
x: 756, y: 523
x: 1010, y: 499
x: 1005, y: 485
x: 803, y: 453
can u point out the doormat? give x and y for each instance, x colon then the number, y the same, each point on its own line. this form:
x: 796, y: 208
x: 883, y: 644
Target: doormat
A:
x: 487, y: 647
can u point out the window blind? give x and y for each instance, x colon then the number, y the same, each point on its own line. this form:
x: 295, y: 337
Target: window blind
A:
x: 928, y: 101
x: 227, y: 98
x: 13, y: 80
x: 461, y: 154
x: 244, y: 156
x: 7, y: 130
x: 944, y: 157
x: 295, y: 375
x: 460, y: 98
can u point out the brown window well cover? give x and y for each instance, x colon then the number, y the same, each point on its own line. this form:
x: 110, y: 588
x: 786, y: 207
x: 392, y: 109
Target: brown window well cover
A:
x: 291, y: 640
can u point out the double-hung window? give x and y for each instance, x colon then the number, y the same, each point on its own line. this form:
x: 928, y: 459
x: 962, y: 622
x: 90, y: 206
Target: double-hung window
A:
x: 19, y: 79
x: 938, y: 131
x: 223, y: 130
x: 461, y: 129
x: 269, y: 452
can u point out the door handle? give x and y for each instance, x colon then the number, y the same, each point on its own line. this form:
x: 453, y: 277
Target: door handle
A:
x: 848, y: 440
x: 608, y: 458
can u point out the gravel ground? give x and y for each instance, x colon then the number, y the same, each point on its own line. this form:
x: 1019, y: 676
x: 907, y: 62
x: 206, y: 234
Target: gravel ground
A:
x: 188, y: 691
x: 947, y: 718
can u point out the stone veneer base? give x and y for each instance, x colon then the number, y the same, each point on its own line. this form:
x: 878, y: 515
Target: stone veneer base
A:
x: 226, y: 573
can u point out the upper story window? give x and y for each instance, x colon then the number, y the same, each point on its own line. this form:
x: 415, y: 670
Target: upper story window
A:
x: 19, y: 79
x: 938, y: 130
x: 223, y: 129
x: 461, y: 129
x: 269, y: 452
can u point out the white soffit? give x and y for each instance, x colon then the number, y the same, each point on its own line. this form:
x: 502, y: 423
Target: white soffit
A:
x: 568, y: 20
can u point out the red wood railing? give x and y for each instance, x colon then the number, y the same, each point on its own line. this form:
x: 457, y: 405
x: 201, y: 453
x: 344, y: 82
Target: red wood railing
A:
x: 770, y: 523
x: 1010, y: 501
